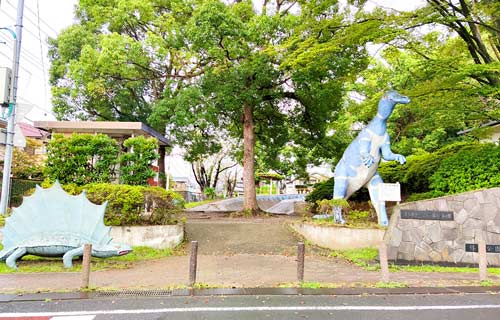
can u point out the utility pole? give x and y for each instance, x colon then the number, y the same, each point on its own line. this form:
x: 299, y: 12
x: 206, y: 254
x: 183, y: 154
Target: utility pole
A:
x: 9, y: 145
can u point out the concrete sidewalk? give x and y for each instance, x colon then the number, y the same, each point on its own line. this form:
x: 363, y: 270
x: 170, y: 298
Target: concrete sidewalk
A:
x: 241, y: 270
x: 249, y: 253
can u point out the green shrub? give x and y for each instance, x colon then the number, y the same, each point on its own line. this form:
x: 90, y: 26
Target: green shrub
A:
x: 135, y: 164
x: 19, y: 188
x: 209, y: 192
x: 322, y: 190
x: 415, y: 174
x: 131, y: 205
x: 425, y: 195
x: 468, y: 169
x: 81, y: 158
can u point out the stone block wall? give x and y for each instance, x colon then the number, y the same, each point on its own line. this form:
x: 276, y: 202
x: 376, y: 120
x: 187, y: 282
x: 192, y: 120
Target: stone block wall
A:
x: 476, y: 217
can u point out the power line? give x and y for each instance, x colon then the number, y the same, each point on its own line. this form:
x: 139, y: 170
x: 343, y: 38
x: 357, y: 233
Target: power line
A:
x: 9, y: 45
x: 41, y: 51
x: 34, y: 23
x: 25, y: 27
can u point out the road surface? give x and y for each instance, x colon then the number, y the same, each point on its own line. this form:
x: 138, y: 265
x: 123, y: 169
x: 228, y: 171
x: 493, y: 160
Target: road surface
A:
x: 400, y: 307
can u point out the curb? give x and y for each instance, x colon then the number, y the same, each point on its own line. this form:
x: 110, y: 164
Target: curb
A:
x: 6, y: 298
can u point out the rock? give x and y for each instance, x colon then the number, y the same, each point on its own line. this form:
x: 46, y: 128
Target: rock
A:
x: 435, y: 257
x: 433, y: 231
x: 396, y: 237
x: 421, y: 254
x: 457, y: 255
x: 461, y: 216
x: 449, y: 234
x: 412, y: 236
x: 469, y: 204
x: 441, y: 205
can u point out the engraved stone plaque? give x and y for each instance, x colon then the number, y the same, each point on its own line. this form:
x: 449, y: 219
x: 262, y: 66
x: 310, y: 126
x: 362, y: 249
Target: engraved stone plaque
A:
x: 427, y: 215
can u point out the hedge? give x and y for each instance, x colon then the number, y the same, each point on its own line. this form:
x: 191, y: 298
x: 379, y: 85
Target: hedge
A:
x: 468, y: 169
x: 131, y: 205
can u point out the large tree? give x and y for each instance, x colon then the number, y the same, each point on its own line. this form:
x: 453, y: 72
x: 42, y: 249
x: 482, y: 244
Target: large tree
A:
x: 271, y: 77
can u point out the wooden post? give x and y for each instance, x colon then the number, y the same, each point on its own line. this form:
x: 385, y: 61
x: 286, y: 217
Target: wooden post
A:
x: 193, y: 262
x: 300, y: 261
x: 483, y: 271
x: 87, y: 255
x: 384, y: 265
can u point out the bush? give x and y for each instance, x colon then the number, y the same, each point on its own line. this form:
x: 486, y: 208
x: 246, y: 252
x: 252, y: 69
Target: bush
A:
x: 81, y: 158
x: 135, y: 165
x: 18, y: 189
x: 131, y: 205
x: 425, y: 195
x: 469, y: 169
x: 415, y: 174
x: 324, y: 190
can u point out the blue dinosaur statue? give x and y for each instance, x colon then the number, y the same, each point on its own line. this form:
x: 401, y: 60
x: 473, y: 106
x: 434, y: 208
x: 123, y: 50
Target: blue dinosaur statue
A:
x: 359, y: 163
x: 53, y: 223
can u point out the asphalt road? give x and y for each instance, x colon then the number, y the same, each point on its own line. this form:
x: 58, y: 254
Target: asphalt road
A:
x: 400, y: 307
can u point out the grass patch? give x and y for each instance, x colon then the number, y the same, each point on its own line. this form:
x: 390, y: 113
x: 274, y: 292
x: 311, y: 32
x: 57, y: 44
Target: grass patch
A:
x: 391, y: 284
x: 364, y: 257
x: 307, y: 285
x: 34, y: 264
x: 435, y: 268
x: 190, y: 205
x: 357, y: 224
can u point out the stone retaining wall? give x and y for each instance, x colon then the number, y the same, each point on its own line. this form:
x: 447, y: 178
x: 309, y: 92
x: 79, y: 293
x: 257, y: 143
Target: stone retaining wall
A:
x: 339, y: 238
x: 476, y: 217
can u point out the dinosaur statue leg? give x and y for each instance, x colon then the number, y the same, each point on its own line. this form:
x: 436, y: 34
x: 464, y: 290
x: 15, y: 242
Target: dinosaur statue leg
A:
x: 339, y: 192
x: 68, y: 256
x: 379, y: 206
x: 11, y: 260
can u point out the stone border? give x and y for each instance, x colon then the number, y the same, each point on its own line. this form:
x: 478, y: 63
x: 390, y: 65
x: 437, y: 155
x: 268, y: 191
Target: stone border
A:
x: 339, y: 238
x: 158, y: 237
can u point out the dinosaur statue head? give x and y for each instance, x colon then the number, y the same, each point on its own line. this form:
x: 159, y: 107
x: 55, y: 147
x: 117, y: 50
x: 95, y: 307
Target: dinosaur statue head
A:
x: 110, y: 250
x: 388, y: 101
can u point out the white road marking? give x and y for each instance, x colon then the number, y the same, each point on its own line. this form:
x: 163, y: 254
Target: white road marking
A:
x: 89, y: 317
x: 250, y: 309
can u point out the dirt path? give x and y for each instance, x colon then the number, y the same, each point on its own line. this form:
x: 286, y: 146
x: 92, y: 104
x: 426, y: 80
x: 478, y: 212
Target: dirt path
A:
x: 242, y: 236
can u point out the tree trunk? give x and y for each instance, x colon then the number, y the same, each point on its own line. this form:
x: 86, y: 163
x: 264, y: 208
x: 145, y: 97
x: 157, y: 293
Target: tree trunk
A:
x: 250, y: 197
x: 161, y: 168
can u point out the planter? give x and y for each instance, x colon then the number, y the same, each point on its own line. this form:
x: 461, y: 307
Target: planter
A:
x: 159, y: 237
x: 339, y: 238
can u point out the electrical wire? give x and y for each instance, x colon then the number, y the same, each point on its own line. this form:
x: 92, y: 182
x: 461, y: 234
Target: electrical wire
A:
x: 41, y: 52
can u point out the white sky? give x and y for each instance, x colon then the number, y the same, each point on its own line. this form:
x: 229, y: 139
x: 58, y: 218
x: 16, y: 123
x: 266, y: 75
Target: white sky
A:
x: 33, y: 87
x: 54, y: 16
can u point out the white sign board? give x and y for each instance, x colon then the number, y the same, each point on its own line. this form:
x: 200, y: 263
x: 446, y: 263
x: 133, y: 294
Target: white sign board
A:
x: 389, y: 191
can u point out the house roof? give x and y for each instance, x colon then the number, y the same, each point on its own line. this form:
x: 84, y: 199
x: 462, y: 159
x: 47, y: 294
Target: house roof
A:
x: 111, y: 128
x: 30, y: 131
x: 487, y: 124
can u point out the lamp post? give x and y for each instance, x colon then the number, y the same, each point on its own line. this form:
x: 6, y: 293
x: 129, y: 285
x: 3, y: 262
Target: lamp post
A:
x: 9, y: 144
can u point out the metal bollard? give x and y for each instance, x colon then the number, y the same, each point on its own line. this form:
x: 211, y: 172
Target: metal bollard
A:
x: 87, y: 255
x: 483, y: 263
x: 384, y: 265
x: 300, y: 261
x: 193, y: 263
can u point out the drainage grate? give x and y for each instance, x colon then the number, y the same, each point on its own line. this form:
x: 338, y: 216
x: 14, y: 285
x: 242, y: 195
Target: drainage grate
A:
x: 134, y: 293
